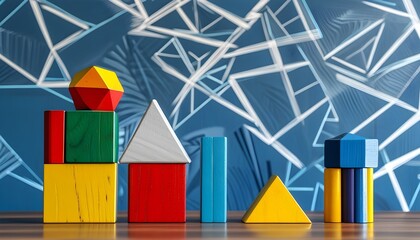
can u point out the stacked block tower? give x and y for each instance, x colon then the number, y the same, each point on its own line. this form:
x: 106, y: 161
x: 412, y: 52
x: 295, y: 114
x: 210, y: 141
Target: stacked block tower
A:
x: 348, y: 178
x: 156, y: 170
x: 81, y: 151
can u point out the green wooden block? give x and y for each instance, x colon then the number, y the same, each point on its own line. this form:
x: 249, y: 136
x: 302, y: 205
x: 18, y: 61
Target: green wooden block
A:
x: 91, y: 137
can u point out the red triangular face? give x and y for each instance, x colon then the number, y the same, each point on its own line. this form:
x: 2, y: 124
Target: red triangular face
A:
x: 77, y: 99
x: 91, y: 98
x: 110, y: 101
x: 115, y: 98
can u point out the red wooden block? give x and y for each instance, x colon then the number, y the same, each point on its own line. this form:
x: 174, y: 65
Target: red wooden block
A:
x: 156, y: 192
x: 54, y: 136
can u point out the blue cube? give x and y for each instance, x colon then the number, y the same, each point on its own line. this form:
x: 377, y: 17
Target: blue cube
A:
x: 350, y: 151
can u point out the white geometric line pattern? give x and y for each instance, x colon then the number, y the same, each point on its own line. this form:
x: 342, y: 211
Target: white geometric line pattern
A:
x: 278, y: 77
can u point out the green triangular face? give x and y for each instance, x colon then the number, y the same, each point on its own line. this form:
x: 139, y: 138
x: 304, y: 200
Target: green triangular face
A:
x: 154, y: 141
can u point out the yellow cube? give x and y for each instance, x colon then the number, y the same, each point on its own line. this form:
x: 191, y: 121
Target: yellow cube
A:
x: 75, y: 193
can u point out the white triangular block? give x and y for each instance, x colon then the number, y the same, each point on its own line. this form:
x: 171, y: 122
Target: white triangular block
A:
x: 154, y: 140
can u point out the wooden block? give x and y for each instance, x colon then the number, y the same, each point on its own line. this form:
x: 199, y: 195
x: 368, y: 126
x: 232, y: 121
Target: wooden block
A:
x: 76, y: 193
x: 220, y: 179
x: 350, y: 151
x: 156, y: 192
x: 370, y: 192
x: 154, y: 140
x: 347, y: 195
x: 91, y: 137
x: 54, y: 136
x: 206, y: 209
x: 332, y: 195
x: 360, y: 195
x: 275, y: 204
x: 96, y: 88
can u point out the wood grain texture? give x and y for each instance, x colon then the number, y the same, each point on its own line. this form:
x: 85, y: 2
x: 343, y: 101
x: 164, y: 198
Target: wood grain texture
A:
x: 332, y: 195
x: 80, y: 231
x: 156, y: 192
x: 154, y: 140
x: 91, y: 137
x: 347, y: 195
x: 54, y: 125
x: 275, y: 204
x: 388, y: 226
x: 75, y: 193
x: 219, y: 179
x: 207, y: 193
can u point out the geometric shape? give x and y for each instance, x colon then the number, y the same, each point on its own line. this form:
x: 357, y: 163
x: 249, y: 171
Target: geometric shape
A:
x: 275, y: 204
x: 96, y: 88
x: 219, y: 179
x: 154, y: 140
x: 156, y: 192
x: 370, y: 202
x: 332, y: 195
x: 54, y: 136
x: 207, y: 194
x: 347, y: 195
x: 76, y: 193
x: 91, y: 137
x: 350, y: 151
x: 360, y: 195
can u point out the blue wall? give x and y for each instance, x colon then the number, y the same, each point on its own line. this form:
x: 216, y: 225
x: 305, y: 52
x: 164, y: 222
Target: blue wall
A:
x: 277, y: 78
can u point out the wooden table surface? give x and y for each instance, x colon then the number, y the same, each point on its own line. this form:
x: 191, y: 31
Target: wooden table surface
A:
x: 386, y: 226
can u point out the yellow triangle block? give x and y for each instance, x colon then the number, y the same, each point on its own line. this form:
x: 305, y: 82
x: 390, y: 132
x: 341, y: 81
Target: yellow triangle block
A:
x: 275, y: 204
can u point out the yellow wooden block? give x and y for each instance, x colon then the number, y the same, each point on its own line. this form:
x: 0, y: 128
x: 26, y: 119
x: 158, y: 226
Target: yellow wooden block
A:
x: 275, y: 204
x: 77, y: 193
x: 332, y: 195
x: 370, y: 205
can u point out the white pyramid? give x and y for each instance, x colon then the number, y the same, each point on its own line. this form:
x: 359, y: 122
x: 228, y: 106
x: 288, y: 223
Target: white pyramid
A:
x: 154, y: 140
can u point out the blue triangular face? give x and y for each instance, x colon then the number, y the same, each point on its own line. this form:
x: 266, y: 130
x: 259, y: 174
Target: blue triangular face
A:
x: 339, y: 137
x: 349, y: 136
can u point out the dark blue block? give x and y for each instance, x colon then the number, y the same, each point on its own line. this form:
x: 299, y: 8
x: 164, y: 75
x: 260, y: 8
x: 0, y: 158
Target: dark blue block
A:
x: 347, y: 195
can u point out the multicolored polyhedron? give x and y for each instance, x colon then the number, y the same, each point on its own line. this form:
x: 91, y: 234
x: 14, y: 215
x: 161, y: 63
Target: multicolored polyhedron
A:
x: 96, y: 88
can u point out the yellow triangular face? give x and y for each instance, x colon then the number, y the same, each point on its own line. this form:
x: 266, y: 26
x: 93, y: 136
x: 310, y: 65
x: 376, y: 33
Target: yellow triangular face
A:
x: 96, y: 77
x: 275, y: 204
x: 110, y: 79
x: 88, y: 78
